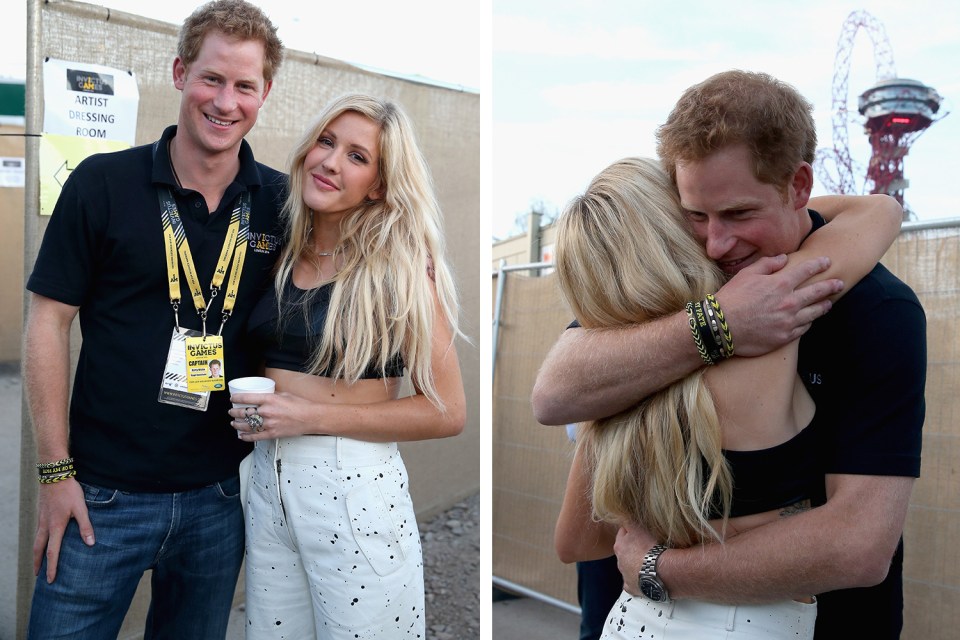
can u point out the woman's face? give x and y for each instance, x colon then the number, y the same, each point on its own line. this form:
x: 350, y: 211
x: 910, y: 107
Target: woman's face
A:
x: 342, y: 168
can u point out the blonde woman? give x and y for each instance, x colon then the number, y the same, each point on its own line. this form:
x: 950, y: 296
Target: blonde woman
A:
x: 362, y: 293
x: 625, y: 255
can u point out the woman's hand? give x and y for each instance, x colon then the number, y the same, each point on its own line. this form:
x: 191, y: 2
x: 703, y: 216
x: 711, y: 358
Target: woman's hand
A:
x: 275, y: 415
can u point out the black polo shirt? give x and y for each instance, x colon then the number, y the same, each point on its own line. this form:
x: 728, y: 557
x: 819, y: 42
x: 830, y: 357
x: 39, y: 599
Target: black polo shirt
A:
x: 103, y: 251
x: 865, y: 365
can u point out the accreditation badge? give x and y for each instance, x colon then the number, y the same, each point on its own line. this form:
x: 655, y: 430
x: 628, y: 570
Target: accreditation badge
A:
x: 173, y: 387
x: 205, y: 364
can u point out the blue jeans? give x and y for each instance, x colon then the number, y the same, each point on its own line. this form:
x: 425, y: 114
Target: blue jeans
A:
x: 193, y: 542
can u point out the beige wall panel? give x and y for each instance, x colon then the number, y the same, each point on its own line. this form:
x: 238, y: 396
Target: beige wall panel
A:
x: 523, y: 545
x: 533, y: 436
x: 11, y: 251
x: 931, y: 555
x: 521, y: 530
x: 937, y: 485
x: 934, y: 612
x: 530, y: 460
x: 541, y: 475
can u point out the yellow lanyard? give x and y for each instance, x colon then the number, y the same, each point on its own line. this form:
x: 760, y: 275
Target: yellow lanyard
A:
x: 175, y: 244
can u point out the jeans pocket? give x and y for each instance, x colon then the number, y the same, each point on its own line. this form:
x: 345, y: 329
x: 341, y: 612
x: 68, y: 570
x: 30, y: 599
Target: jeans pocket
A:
x: 373, y: 528
x: 229, y: 488
x: 96, y: 496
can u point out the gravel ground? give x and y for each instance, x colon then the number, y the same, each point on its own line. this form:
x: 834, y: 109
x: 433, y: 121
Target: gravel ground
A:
x: 451, y: 562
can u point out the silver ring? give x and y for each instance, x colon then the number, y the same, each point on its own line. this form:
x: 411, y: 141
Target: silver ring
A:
x: 256, y: 422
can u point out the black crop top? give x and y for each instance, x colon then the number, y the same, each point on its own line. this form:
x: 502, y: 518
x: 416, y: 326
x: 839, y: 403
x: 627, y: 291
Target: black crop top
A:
x: 772, y: 478
x: 292, y: 350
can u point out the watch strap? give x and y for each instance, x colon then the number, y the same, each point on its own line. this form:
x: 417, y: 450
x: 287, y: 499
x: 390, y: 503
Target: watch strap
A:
x: 650, y: 584
x: 649, y: 566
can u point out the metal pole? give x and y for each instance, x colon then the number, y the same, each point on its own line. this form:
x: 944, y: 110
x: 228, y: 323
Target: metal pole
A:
x: 496, y: 313
x: 930, y: 224
x: 506, y: 585
x: 530, y: 266
x: 33, y: 124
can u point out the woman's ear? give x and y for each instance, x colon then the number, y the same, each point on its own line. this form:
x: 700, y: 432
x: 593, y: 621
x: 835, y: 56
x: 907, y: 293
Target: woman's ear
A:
x: 377, y: 192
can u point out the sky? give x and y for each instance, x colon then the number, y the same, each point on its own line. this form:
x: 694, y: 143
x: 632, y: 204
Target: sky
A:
x: 577, y: 85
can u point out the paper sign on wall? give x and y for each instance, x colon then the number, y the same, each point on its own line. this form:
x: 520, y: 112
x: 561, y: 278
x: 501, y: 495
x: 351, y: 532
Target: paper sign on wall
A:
x: 88, y: 109
x: 59, y: 155
x: 11, y: 172
x: 89, y: 101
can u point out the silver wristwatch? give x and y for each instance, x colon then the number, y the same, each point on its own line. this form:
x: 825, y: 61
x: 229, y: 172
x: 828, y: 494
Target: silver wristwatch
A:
x: 651, y: 586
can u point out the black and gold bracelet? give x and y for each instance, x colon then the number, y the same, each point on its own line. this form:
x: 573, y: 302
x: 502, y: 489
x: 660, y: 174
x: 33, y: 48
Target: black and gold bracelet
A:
x: 695, y: 318
x: 52, y: 472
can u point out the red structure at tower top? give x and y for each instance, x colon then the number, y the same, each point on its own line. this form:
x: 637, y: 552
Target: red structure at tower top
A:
x: 897, y: 111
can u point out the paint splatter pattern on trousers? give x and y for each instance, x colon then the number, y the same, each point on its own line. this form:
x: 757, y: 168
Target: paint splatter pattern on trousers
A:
x: 638, y: 618
x: 333, y: 549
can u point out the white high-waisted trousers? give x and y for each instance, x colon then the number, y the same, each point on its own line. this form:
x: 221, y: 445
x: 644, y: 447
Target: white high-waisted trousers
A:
x: 637, y: 617
x: 332, y: 546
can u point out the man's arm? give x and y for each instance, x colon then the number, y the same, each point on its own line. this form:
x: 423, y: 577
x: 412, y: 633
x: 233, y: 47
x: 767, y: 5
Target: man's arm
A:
x: 46, y: 380
x: 592, y: 374
x: 848, y: 542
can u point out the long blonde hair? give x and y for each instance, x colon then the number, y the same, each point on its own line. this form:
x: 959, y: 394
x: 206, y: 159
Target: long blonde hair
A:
x: 381, y: 305
x: 624, y: 255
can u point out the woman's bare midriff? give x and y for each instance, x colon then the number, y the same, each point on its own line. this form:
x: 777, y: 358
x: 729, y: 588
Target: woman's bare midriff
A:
x: 319, y: 389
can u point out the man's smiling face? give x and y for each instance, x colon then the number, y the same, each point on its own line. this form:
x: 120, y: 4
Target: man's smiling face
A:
x: 222, y: 92
x: 736, y: 217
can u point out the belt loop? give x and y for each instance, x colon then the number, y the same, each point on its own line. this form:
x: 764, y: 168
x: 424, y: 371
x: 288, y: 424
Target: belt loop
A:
x: 731, y: 616
x: 339, y: 453
x: 669, y: 608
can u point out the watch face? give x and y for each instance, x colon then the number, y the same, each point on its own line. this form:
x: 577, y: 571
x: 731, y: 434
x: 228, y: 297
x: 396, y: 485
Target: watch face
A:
x: 651, y: 589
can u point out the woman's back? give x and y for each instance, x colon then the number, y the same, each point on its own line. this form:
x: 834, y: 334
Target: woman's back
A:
x: 760, y: 401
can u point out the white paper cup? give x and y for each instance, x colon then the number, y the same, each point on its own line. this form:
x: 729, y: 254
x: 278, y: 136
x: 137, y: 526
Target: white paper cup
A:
x: 253, y: 384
